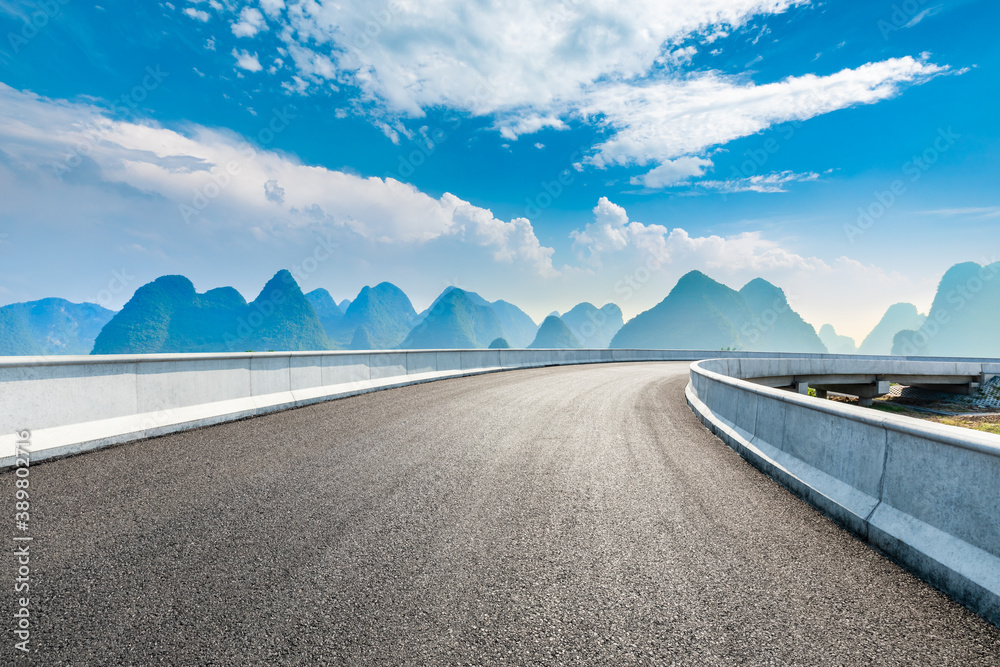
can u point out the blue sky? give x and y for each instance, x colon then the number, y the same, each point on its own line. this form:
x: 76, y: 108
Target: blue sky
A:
x: 544, y: 153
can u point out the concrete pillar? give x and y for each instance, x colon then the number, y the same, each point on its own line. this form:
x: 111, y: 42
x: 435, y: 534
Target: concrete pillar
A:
x: 865, y: 402
x: 822, y: 393
x: 802, y: 387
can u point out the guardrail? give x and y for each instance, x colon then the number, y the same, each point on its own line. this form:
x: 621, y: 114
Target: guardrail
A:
x: 925, y: 494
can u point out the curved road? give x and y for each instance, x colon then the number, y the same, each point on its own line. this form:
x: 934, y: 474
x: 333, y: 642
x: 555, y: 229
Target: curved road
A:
x: 574, y: 515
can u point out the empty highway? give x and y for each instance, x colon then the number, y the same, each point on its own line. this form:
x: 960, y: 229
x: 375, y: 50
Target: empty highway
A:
x: 572, y: 515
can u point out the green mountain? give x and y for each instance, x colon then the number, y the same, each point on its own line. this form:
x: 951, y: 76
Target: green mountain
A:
x: 499, y: 344
x: 361, y: 340
x: 51, y: 326
x: 142, y: 326
x: 519, y: 328
x: 836, y: 343
x: 456, y: 320
x: 554, y: 334
x: 384, y: 311
x: 168, y: 315
x: 343, y: 305
x: 329, y: 313
x: 324, y: 305
x: 774, y: 326
x: 700, y: 313
x: 15, y: 334
x: 899, y: 317
x: 475, y: 298
x: 594, y: 327
x: 289, y: 320
x: 964, y: 320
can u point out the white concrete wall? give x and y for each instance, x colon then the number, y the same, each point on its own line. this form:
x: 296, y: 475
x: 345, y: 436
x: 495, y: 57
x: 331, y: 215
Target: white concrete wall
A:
x: 76, y: 403
x: 72, y: 404
x: 926, y: 494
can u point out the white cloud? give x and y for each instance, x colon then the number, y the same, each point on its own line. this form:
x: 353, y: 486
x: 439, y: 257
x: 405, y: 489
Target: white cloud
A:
x: 672, y: 172
x: 662, y: 120
x: 930, y: 11
x: 272, y: 8
x: 511, y: 130
x: 274, y: 192
x: 973, y: 212
x: 247, y: 61
x: 774, y: 182
x: 612, y: 231
x: 532, y: 66
x: 214, y: 179
x: 197, y: 14
x: 250, y: 23
x: 503, y: 56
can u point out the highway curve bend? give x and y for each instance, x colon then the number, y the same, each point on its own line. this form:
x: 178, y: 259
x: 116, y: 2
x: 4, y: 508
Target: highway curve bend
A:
x: 570, y: 515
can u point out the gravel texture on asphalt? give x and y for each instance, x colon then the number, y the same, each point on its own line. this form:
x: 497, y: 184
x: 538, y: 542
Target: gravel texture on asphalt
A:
x: 571, y: 515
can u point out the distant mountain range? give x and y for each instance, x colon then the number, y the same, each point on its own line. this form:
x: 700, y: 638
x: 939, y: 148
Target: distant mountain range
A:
x: 554, y: 334
x: 456, y: 320
x: 835, y: 343
x: 519, y: 329
x: 899, y: 317
x: 594, y: 327
x: 168, y: 315
x: 379, y: 318
x: 964, y: 319
x: 700, y: 313
x: 384, y: 312
x: 51, y: 326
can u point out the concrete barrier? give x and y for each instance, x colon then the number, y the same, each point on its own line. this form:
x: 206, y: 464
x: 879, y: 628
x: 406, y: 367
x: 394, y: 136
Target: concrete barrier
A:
x: 73, y: 404
x: 925, y: 494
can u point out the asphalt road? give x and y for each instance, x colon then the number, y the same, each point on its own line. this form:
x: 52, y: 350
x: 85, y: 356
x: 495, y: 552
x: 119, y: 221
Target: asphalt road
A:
x: 574, y: 515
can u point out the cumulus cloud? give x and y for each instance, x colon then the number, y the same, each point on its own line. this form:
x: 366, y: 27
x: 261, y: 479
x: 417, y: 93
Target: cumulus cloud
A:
x: 197, y: 14
x: 274, y: 192
x: 672, y: 172
x: 247, y: 61
x: 250, y: 22
x: 272, y: 8
x: 612, y: 232
x: 504, y: 56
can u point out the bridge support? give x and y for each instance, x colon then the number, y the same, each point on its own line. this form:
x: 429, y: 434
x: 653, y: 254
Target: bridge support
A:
x: 864, y: 392
x: 966, y: 389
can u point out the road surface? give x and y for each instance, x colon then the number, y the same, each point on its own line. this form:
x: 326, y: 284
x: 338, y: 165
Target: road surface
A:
x: 572, y: 515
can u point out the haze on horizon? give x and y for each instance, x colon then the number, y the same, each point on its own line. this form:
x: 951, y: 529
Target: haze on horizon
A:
x: 544, y: 154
